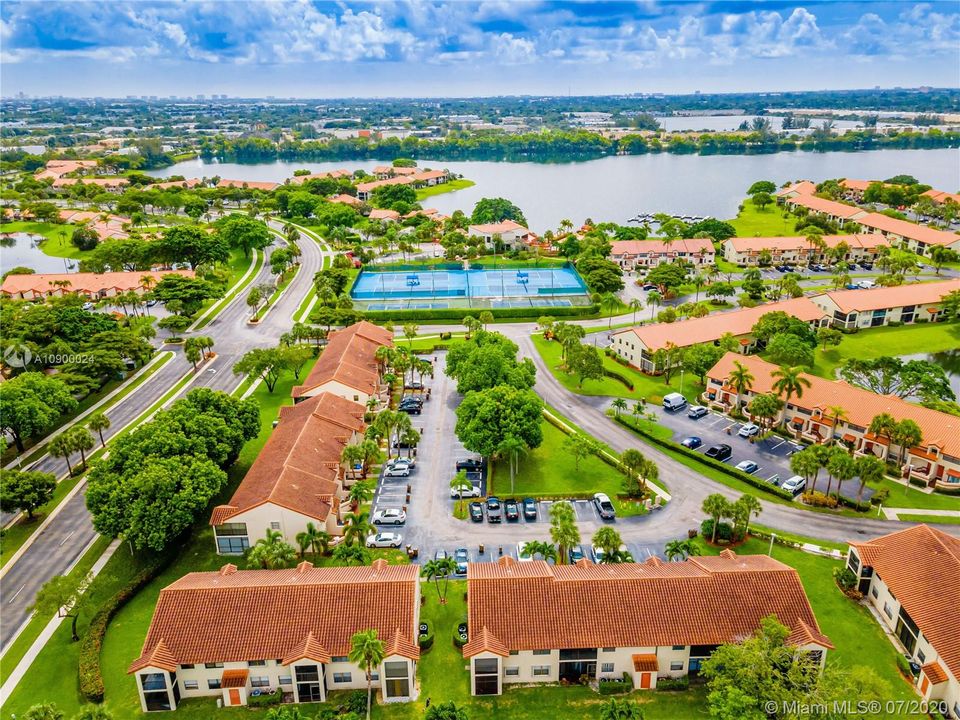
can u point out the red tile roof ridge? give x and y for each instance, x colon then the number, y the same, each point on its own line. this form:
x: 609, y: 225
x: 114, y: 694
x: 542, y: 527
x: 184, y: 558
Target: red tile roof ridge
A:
x: 400, y: 644
x: 159, y: 656
x: 485, y: 641
x: 308, y: 649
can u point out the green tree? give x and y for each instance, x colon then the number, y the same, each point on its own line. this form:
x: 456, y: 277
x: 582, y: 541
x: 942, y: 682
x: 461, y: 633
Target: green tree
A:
x: 265, y: 363
x: 741, y: 510
x: 869, y: 469
x: 356, y: 528
x: 494, y: 210
x: 585, y: 362
x: 765, y: 407
x: 807, y: 463
x: 717, y: 507
x: 680, y: 549
x: 699, y: 358
x: 563, y: 529
x: 244, y: 233
x: 359, y: 493
x: 445, y: 711
x: 545, y: 550
x: 762, y: 186
x: 61, y: 446
x: 485, y: 417
x: 787, y: 349
x: 458, y: 483
x: 906, y: 434
x: 828, y: 336
x: 511, y: 446
x: 619, y: 405
x: 789, y: 383
x: 632, y: 463
x: 43, y: 711
x: 84, y: 237
x: 63, y: 596
x: 81, y: 440
x: 608, y: 540
x: 621, y: 709
x: 30, y: 403
x: 271, y: 552
x: 98, y: 423
x: 318, y: 541
x: 367, y: 652
x: 25, y: 490
x: 437, y: 570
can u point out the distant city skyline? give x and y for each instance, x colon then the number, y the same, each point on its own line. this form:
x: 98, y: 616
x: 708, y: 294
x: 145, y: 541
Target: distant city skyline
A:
x: 318, y: 50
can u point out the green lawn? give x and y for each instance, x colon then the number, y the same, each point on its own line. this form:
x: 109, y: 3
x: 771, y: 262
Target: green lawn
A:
x: 876, y: 342
x: 58, y: 236
x: 550, y: 470
x: 236, y: 268
x: 773, y: 221
x: 858, y: 638
x: 452, y: 186
x: 426, y: 344
x: 647, y: 387
x: 902, y: 496
x: 929, y: 519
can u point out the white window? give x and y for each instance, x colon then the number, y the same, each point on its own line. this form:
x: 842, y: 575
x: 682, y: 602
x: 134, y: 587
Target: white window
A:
x: 274, y: 526
x: 540, y: 670
x: 340, y: 658
x: 514, y: 652
x: 286, y: 680
x: 606, y: 667
x: 343, y: 677
x: 921, y: 657
x: 260, y: 681
x: 874, y: 591
x: 676, y: 665
x: 541, y: 652
x: 190, y: 685
x: 512, y: 671
x: 609, y: 649
x: 887, y: 611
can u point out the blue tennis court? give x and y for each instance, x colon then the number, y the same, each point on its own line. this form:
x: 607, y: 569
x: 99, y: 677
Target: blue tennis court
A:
x: 542, y: 285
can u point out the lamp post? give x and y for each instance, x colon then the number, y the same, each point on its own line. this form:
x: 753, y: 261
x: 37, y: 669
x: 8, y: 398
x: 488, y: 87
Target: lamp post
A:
x: 770, y: 549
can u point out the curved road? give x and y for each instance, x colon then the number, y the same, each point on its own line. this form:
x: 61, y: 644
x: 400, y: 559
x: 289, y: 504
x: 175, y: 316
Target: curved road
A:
x: 61, y: 543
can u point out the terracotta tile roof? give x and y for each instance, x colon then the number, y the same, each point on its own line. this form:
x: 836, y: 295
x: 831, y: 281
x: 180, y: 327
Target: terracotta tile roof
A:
x: 59, y: 168
x: 645, y: 663
x: 83, y: 282
x: 935, y: 672
x: 260, y: 614
x: 234, y: 678
x: 866, y: 241
x: 710, y: 328
x: 400, y: 644
x: 880, y: 298
x: 803, y: 634
x: 348, y: 358
x: 920, y: 233
x: 485, y: 641
x: 921, y: 565
x: 380, y: 214
x: 345, y: 199
x: 300, y: 179
x: 249, y: 184
x: 102, y: 182
x: 309, y: 649
x: 828, y: 207
x: 692, y: 246
x: 858, y: 185
x: 188, y: 183
x: 804, y: 187
x: 498, y: 228
x: 941, y: 196
x: 299, y: 466
x: 701, y: 601
x: 940, y: 429
x: 158, y: 657
x: 374, y: 184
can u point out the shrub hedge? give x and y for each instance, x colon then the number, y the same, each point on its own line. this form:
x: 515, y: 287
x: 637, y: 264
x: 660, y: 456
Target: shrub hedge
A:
x: 265, y: 699
x: 715, y: 464
x: 619, y: 378
x: 425, y: 640
x: 458, y: 314
x: 91, y: 679
x: 678, y: 683
x: 614, y: 687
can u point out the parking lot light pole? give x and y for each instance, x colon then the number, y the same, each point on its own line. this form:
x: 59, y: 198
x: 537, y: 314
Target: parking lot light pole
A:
x: 770, y: 550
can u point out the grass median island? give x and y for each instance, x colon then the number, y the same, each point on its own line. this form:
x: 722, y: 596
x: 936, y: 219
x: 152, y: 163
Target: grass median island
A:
x: 647, y: 387
x: 858, y: 638
x: 237, y: 268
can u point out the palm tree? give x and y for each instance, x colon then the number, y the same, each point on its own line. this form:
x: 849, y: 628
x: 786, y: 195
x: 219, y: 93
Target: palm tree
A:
x: 906, y: 434
x: 512, y: 446
x: 98, y: 423
x: 458, y: 483
x: 271, y: 551
x: 608, y: 540
x: 356, y: 528
x: 681, y: 549
x: 789, y: 383
x: 609, y: 302
x: 869, y: 469
x: 563, y: 529
x: 635, y: 304
x: 716, y: 506
x: 749, y: 505
x: 317, y: 540
x: 544, y: 549
x: 838, y: 413
x: 698, y: 281
x: 806, y: 464
x: 619, y: 405
x: 80, y: 439
x: 741, y: 380
x: 840, y: 466
x: 654, y: 299
x: 359, y: 493
x: 61, y: 446
x: 438, y: 570
x: 883, y: 425
x: 351, y: 456
x: 631, y: 463
x: 367, y: 652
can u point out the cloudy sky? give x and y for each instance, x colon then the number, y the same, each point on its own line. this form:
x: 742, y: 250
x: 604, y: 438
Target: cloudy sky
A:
x: 309, y: 48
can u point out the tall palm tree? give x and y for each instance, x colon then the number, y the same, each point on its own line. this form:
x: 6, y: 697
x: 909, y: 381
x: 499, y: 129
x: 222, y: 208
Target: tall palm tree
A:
x: 806, y: 463
x: 609, y: 302
x: 869, y: 469
x: 883, y: 425
x: 61, y: 446
x: 654, y: 299
x: 563, y: 529
x: 318, y: 541
x: 511, y: 446
x: 906, y: 434
x: 80, y: 439
x: 789, y: 383
x: 681, y: 549
x: 750, y: 505
x: 698, y: 281
x: 717, y: 507
x: 356, y: 528
x: 608, y: 540
x: 351, y: 456
x: 544, y: 549
x: 98, y: 423
x: 619, y: 405
x: 838, y: 413
x: 367, y: 652
x: 359, y: 493
x: 636, y: 304
x: 741, y: 380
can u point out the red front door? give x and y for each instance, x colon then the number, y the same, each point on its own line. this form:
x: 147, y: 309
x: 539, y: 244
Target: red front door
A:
x: 644, y: 681
x: 234, y: 696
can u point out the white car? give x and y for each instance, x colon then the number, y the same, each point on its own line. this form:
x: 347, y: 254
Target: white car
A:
x: 749, y: 430
x: 397, y: 462
x: 397, y: 471
x: 465, y: 491
x: 747, y: 466
x: 390, y: 516
x: 385, y: 540
x: 794, y: 485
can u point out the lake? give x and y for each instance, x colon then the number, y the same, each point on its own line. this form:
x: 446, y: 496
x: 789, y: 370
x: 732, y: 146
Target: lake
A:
x: 949, y: 360
x: 618, y: 188
x: 23, y: 249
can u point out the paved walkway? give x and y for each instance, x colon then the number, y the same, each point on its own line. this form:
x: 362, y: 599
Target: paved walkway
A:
x: 894, y: 513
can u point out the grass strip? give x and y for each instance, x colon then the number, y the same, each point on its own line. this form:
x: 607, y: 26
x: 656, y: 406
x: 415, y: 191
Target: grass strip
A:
x: 238, y: 287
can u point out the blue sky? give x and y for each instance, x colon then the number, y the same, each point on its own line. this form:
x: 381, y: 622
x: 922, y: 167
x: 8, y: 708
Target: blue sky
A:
x: 460, y: 48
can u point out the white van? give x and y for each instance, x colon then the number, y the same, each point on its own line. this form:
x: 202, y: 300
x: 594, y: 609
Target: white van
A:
x: 674, y: 401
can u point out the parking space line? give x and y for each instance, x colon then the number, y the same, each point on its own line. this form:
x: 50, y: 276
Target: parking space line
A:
x: 778, y: 445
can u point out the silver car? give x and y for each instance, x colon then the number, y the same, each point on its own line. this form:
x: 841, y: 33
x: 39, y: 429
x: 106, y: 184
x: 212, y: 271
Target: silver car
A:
x: 384, y: 540
x: 390, y: 516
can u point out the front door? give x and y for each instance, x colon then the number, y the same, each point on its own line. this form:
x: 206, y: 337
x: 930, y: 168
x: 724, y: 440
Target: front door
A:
x: 644, y: 681
x: 234, y: 696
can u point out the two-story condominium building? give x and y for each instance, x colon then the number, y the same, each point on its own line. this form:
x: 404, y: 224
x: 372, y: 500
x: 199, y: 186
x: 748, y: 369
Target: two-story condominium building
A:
x: 936, y: 460
x: 332, y: 174
x: 910, y: 578
x: 418, y: 178
x: 297, y: 478
x: 534, y: 622
x: 633, y: 254
x: 851, y: 309
x: 637, y: 345
x: 863, y: 247
x: 837, y: 212
x: 942, y: 196
x: 248, y: 185
x: 94, y: 286
x: 348, y: 365
x: 916, y: 238
x: 511, y: 234
x: 229, y: 633
x: 107, y: 227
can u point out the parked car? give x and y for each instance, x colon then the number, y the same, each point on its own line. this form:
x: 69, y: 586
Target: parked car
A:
x: 494, y: 511
x: 470, y: 464
x: 576, y: 554
x: 697, y: 411
x: 598, y: 554
x: 416, y: 385
x: 794, y: 485
x: 851, y: 266
x: 88, y: 306
x: 529, y: 509
x: 691, y: 442
x: 511, y: 510
x: 866, y: 265
x: 719, y: 452
x: 465, y: 491
x: 866, y: 284
x: 462, y: 557
x: 784, y: 268
x: 396, y: 462
x: 440, y: 555
x: 410, y: 409
x: 604, y: 506
x: 749, y: 430
x: 385, y: 540
x: 674, y: 401
x: 476, y: 512
x: 412, y: 400
x: 650, y: 286
x: 851, y: 286
x: 748, y: 466
x: 397, y: 471
x: 390, y: 516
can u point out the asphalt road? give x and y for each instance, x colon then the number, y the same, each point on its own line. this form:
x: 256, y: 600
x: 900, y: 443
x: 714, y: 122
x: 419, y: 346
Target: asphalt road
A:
x: 56, y: 548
